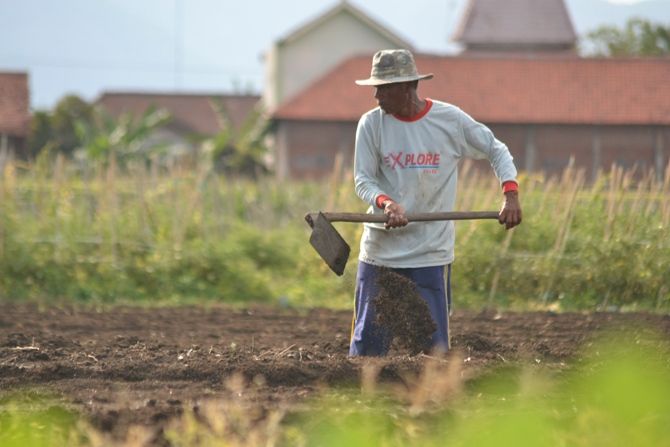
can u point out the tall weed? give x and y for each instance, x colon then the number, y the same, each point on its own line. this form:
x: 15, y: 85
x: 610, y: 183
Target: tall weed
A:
x: 100, y: 232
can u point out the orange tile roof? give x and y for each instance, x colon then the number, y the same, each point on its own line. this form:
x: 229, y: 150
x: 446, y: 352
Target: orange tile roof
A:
x: 14, y: 104
x: 547, y: 90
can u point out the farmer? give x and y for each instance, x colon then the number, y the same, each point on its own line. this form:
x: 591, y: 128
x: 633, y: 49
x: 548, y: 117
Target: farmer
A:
x: 406, y: 157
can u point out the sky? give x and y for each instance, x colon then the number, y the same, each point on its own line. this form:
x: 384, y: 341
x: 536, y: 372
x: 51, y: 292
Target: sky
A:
x: 85, y: 47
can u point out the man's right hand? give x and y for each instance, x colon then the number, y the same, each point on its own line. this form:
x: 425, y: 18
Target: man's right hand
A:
x: 395, y: 213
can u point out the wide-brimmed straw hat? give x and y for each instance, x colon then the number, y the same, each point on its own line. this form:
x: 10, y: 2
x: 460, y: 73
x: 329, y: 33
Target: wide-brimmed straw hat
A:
x: 391, y: 66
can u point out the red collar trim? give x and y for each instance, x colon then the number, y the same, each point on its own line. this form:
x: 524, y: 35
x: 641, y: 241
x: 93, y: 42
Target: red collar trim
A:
x: 418, y: 116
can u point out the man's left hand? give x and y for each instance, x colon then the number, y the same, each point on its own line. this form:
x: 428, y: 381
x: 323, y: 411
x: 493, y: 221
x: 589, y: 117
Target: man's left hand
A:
x: 510, y: 214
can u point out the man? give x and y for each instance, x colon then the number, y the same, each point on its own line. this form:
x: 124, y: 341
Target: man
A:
x: 406, y: 157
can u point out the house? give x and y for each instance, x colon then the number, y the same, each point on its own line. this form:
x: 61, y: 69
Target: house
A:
x: 546, y: 109
x: 519, y: 74
x: 14, y: 113
x: 312, y: 50
x: 520, y: 27
x: 193, y: 116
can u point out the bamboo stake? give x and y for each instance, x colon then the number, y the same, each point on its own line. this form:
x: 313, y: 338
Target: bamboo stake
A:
x: 194, y: 201
x: 661, y: 296
x: 59, y: 170
x: 143, y: 208
x: 665, y: 204
x: 529, y: 189
x: 550, y: 185
x: 564, y: 230
x: 219, y: 211
x: 653, y: 197
x: 112, y: 197
x: 3, y: 209
x: 172, y: 175
x: 496, y: 274
x: 634, y: 211
x: 615, y: 179
x: 335, y: 182
x: 57, y: 199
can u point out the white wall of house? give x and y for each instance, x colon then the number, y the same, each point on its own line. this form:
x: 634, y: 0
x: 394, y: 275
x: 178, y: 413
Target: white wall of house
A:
x: 299, y: 60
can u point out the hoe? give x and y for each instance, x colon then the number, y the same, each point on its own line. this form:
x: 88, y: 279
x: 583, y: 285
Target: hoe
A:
x: 334, y: 249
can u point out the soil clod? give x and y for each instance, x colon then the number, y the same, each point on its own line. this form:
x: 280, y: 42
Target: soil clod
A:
x: 402, y: 311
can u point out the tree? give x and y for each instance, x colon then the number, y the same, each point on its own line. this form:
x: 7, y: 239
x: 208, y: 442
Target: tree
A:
x: 126, y: 137
x: 238, y: 151
x: 76, y: 127
x: 57, y: 130
x: 39, y: 134
x: 639, y: 37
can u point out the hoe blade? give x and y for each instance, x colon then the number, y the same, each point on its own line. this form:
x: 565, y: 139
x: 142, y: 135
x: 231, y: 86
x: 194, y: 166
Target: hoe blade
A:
x: 329, y: 244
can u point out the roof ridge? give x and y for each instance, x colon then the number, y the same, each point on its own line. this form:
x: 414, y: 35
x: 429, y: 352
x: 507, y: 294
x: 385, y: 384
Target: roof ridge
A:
x: 167, y: 93
x: 14, y: 73
x: 358, y: 13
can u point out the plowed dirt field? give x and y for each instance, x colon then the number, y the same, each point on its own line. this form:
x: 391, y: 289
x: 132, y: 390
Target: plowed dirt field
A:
x: 126, y: 366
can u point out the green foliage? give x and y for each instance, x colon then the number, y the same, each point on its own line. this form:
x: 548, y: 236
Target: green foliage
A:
x: 606, y: 249
x: 57, y: 131
x: 141, y: 238
x: 26, y: 421
x: 617, y: 396
x: 76, y: 128
x: 149, y: 234
x: 40, y: 134
x: 238, y: 151
x: 639, y: 37
x: 126, y: 137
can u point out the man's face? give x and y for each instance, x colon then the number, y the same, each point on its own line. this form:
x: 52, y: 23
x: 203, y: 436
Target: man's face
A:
x: 392, y: 98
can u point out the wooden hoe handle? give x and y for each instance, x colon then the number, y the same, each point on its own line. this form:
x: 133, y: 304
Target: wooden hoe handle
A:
x: 417, y: 217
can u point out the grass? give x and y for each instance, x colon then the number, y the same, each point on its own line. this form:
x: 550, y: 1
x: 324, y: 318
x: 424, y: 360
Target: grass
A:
x: 150, y: 234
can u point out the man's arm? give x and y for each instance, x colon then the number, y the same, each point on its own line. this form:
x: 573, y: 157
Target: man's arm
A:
x: 479, y: 143
x: 366, y: 163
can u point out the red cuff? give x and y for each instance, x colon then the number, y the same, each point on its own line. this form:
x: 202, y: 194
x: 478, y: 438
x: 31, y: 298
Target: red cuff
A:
x: 379, y: 201
x: 510, y: 185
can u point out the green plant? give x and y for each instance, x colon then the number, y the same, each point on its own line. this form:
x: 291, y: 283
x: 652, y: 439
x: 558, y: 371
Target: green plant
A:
x: 125, y: 138
x: 238, y: 151
x: 150, y: 233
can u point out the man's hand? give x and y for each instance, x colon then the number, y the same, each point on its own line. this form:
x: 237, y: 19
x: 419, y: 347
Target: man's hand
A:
x: 395, y: 213
x: 510, y: 214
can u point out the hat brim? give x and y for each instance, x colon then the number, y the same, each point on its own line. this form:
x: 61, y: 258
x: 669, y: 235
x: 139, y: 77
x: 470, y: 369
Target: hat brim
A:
x: 379, y: 81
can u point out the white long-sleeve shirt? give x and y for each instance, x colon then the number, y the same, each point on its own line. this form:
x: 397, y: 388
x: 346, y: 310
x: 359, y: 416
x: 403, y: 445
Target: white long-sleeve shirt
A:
x: 415, y: 162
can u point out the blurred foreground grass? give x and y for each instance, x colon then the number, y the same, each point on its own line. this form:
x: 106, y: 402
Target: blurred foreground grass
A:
x: 616, y: 395
x: 144, y: 234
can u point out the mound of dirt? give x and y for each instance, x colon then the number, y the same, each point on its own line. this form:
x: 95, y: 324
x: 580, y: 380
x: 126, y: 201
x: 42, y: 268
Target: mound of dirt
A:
x: 402, y: 311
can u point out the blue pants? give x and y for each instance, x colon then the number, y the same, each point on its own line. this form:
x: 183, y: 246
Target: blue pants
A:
x: 367, y: 338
